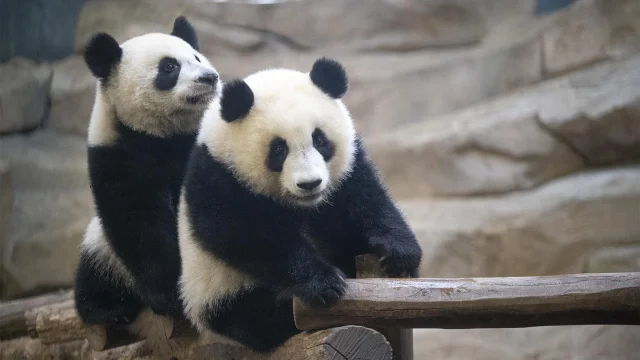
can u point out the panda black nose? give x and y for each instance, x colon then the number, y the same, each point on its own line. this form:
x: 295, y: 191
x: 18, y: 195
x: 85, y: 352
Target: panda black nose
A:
x: 208, y: 78
x: 310, y: 185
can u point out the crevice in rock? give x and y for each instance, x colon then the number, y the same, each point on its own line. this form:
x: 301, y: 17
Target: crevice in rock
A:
x: 486, y: 151
x: 271, y: 35
x: 561, y: 139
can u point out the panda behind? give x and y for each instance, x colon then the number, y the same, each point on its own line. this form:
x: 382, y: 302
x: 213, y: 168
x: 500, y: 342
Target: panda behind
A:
x: 278, y: 199
x: 152, y: 91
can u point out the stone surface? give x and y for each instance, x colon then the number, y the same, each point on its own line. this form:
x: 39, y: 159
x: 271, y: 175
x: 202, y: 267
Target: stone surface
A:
x: 218, y: 40
x: 615, y: 259
x: 387, y: 90
x: 566, y: 226
x: 542, y: 343
x: 590, y: 31
x: 124, y: 19
x: 24, y: 86
x: 6, y: 201
x: 41, y: 30
x: 72, y: 94
x: 6, y: 208
x: 51, y: 210
x: 521, y: 140
x: 395, y: 97
x: 364, y: 24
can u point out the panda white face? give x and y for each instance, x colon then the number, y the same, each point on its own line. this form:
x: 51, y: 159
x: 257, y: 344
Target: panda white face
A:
x: 157, y: 83
x: 283, y: 133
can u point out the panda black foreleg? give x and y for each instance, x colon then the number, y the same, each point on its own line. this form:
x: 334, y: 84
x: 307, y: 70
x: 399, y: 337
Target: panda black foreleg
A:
x: 140, y: 223
x: 254, y: 318
x: 387, y: 232
x: 283, y: 262
x: 100, y: 300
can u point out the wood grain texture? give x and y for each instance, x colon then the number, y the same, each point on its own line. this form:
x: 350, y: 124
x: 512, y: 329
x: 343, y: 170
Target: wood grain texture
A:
x: 611, y: 298
x: 342, y: 343
x: 401, y: 340
x: 55, y: 324
x: 58, y: 323
x: 12, y: 313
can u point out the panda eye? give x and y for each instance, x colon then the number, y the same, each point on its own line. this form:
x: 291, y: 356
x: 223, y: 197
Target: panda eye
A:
x: 168, y: 65
x: 198, y: 59
x: 319, y: 139
x: 279, y: 150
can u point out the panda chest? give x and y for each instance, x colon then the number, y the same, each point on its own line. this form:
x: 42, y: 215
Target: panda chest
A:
x: 326, y: 234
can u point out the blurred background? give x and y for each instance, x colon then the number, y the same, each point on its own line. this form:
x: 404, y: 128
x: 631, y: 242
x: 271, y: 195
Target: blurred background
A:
x: 508, y: 131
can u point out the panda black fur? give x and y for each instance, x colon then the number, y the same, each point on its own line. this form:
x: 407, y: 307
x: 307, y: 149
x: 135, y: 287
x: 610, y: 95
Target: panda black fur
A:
x: 278, y: 199
x: 152, y: 91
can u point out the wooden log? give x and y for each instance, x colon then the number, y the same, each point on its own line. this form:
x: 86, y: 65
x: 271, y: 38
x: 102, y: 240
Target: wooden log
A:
x: 32, y: 349
x: 58, y: 323
x: 511, y: 302
x: 401, y: 340
x: 28, y: 348
x: 342, y: 343
x: 12, y: 314
x: 347, y: 342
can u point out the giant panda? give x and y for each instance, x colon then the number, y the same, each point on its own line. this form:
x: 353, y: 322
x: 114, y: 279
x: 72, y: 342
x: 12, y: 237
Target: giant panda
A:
x: 151, y: 93
x: 279, y: 197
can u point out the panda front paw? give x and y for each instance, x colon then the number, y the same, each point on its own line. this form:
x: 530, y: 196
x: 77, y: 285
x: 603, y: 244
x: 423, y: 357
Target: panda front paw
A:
x: 399, y: 259
x: 324, y: 289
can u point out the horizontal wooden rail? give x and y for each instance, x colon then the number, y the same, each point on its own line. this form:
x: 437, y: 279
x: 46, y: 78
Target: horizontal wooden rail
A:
x: 511, y: 302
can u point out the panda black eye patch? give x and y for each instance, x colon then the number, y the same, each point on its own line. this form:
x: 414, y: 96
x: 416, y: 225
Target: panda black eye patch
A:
x: 278, y: 151
x: 168, y: 73
x: 322, y: 144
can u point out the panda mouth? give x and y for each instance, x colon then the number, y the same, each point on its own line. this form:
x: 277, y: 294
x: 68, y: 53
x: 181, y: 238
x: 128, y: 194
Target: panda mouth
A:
x: 310, y: 199
x: 202, y: 97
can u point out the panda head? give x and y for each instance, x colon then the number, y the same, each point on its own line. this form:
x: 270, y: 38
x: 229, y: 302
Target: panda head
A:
x: 286, y: 134
x: 159, y: 83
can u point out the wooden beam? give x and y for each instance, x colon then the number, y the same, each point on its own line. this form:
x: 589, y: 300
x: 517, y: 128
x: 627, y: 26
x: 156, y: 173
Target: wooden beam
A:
x: 511, y: 302
x: 12, y: 314
x: 401, y: 340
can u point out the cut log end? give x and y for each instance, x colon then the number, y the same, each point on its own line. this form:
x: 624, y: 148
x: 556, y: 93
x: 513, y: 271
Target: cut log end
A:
x: 347, y: 342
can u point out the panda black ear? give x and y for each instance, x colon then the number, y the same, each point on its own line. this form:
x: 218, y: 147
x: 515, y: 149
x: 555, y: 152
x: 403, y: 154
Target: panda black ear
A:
x: 101, y: 54
x: 330, y: 77
x: 236, y: 100
x: 185, y: 31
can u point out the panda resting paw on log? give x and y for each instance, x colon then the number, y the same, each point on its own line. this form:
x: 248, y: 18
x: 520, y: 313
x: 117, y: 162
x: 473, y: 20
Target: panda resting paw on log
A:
x: 151, y: 94
x: 278, y: 199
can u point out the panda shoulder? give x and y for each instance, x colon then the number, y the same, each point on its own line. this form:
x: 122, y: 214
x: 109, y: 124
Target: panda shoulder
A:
x: 103, y: 122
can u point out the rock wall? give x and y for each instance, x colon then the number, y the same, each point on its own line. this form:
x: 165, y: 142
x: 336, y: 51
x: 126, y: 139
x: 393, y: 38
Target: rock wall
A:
x: 41, y: 30
x: 510, y: 140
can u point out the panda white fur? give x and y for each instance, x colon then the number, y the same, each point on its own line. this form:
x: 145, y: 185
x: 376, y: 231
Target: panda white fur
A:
x: 278, y: 199
x: 151, y: 94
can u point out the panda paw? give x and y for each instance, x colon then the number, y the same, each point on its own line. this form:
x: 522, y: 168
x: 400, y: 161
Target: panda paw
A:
x: 399, y: 260
x: 323, y: 289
